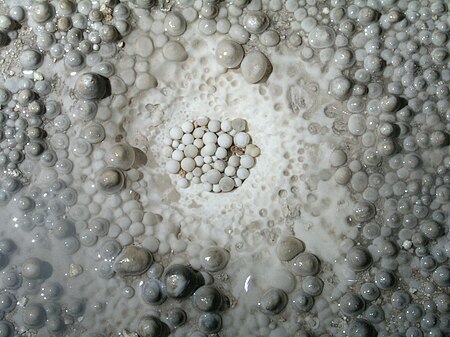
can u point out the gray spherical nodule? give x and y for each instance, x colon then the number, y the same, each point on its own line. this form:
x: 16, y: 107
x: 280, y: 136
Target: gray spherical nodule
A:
x: 207, y: 299
x: 34, y: 315
x: 111, y: 180
x: 91, y: 86
x: 152, y: 292
x: 181, y: 281
x: 214, y: 259
x: 289, y: 247
x: 255, y: 67
x: 133, y: 261
x: 273, y: 301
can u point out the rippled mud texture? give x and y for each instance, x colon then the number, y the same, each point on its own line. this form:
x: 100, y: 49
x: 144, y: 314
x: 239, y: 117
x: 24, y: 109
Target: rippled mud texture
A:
x: 325, y: 125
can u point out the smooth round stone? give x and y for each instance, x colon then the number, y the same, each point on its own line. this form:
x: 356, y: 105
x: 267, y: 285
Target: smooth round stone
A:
x: 181, y: 281
x: 174, y: 24
x: 34, y: 315
x: 42, y: 11
x: 150, y: 326
x: 110, y: 180
x: 91, y: 86
x: 339, y: 87
x: 321, y: 37
x: 289, y: 247
x: 255, y: 67
x: 31, y: 59
x: 226, y: 184
x: 359, y: 258
x: 152, y: 292
x: 214, y: 259
x: 174, y: 51
x: 305, y: 264
x: 133, y: 261
x: 229, y: 54
x: 121, y: 155
x: 207, y: 299
x: 144, y: 46
x: 273, y: 301
x: 255, y: 22
x: 32, y: 268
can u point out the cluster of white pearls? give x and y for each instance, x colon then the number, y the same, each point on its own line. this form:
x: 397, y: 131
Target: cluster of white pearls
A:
x: 217, y: 154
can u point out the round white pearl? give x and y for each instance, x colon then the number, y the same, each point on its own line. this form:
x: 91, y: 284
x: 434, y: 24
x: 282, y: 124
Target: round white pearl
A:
x: 225, y: 126
x: 237, y: 182
x: 213, y: 176
x: 175, y: 144
x: 199, y: 160
x: 207, y: 187
x: 242, y: 173
x: 189, y: 176
x: 241, y: 139
x: 214, y: 125
x: 187, y: 127
x: 225, y: 140
x: 173, y: 166
x: 234, y: 161
x: 197, y: 172
x: 206, y: 168
x: 187, y: 139
x: 181, y: 147
x: 190, y: 151
x: 199, y: 143
x: 176, y: 132
x: 198, y: 133
x: 209, y: 149
x: 216, y: 188
x: 219, y: 165
x: 230, y: 171
x: 188, y: 164
x: 209, y: 138
x: 177, y: 155
x: 202, y: 121
x: 183, y: 183
x: 221, y: 153
x: 247, y: 161
x: 196, y: 180
x: 207, y: 159
x: 226, y: 184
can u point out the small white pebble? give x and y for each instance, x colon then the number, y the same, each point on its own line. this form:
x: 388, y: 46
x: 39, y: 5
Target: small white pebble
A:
x: 209, y: 149
x: 173, y: 166
x: 225, y: 126
x: 181, y: 147
x: 177, y: 155
x: 225, y: 140
x: 242, y: 173
x: 183, y: 183
x: 189, y: 176
x: 221, y: 153
x: 252, y: 150
x: 190, y: 151
x: 187, y: 127
x: 226, y: 184
x: 213, y: 176
x: 237, y: 182
x: 234, y: 161
x: 214, y: 125
x: 207, y: 159
x: 247, y: 161
x: 216, y: 188
x: 209, y: 138
x: 175, y: 144
x: 238, y: 124
x: 230, y: 171
x: 197, y: 172
x: 187, y: 139
x: 202, y: 121
x: 196, y: 180
x: 136, y: 229
x: 199, y: 161
x: 199, y: 143
x: 188, y: 164
x: 176, y: 133
x: 198, y: 133
x: 219, y: 165
x: 241, y: 139
x: 207, y: 187
x: 206, y: 168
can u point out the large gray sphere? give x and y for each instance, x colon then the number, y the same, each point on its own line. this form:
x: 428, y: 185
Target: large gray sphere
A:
x: 91, y: 86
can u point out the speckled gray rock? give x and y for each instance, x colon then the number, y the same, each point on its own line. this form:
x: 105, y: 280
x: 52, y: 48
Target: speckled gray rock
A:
x: 31, y: 59
x: 289, y: 247
x: 133, y: 261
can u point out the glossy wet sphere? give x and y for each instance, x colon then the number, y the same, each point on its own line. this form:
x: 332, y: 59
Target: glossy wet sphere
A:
x: 7, y: 301
x: 273, y: 301
x: 34, y: 315
x: 361, y: 328
x: 176, y: 317
x: 369, y: 291
x: 359, y: 258
x: 301, y: 301
x: 400, y: 299
x: 374, y: 314
x: 150, y: 326
x: 91, y: 86
x: 305, y: 264
x: 110, y: 180
x: 32, y: 268
x: 351, y: 304
x: 121, y: 156
x: 6, y: 329
x: 181, y: 281
x: 207, y: 298
x: 210, y: 322
x: 312, y: 285
x: 214, y: 258
x: 385, y: 279
x: 229, y: 54
x: 152, y: 292
x: 442, y: 276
